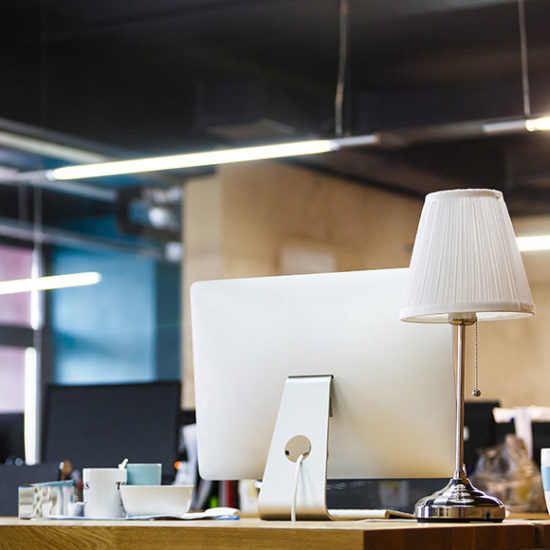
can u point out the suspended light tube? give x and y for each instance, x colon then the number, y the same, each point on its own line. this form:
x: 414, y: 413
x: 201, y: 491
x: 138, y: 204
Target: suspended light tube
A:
x: 504, y: 126
x: 538, y: 124
x: 537, y: 242
x: 47, y: 283
x: 517, y: 125
x: 31, y: 407
x: 208, y: 158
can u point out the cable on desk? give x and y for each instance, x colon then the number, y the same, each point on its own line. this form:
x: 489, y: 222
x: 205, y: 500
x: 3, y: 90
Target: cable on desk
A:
x: 296, y: 479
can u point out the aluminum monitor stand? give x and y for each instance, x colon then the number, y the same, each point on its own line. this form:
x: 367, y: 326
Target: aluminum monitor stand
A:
x: 301, y: 429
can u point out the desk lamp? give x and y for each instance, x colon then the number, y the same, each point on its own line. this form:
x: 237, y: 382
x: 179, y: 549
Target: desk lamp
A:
x: 465, y: 267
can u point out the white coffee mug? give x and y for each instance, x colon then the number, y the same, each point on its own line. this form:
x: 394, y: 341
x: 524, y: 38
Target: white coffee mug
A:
x: 101, y: 492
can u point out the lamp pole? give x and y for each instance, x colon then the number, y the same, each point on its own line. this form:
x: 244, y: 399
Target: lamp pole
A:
x: 459, y: 500
x: 459, y: 352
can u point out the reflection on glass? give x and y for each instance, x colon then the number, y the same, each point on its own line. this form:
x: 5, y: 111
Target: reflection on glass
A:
x: 15, y: 263
x: 12, y: 379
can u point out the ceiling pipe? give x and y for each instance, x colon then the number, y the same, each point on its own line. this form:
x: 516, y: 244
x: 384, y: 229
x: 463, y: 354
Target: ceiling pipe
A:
x: 389, y: 139
x: 48, y: 143
x: 79, y: 189
x: 18, y: 229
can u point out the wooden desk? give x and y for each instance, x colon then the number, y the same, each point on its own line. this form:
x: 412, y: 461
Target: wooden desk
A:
x: 541, y: 523
x: 254, y: 533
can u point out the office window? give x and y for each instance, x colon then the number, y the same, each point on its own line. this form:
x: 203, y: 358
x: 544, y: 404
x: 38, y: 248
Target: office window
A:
x: 15, y: 263
x: 12, y: 379
x: 15, y: 314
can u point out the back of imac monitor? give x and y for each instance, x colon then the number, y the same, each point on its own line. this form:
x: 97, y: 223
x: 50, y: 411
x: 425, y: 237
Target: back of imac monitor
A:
x: 393, y: 388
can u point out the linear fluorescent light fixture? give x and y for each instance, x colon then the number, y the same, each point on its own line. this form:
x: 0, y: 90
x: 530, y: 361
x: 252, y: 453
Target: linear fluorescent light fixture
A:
x: 208, y: 158
x: 504, y: 126
x: 47, y: 283
x: 31, y: 406
x: 517, y: 125
x: 538, y: 124
x: 537, y: 242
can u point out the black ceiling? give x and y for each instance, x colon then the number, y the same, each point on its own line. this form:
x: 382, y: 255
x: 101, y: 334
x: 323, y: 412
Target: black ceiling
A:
x: 159, y: 76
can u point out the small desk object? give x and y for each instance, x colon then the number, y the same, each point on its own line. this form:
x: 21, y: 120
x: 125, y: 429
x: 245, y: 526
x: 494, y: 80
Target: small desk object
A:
x: 251, y: 533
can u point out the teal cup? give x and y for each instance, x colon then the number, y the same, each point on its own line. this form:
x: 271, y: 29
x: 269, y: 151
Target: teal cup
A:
x: 144, y: 474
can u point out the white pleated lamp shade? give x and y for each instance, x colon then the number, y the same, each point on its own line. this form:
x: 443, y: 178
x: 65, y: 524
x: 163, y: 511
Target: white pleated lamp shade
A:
x: 465, y: 261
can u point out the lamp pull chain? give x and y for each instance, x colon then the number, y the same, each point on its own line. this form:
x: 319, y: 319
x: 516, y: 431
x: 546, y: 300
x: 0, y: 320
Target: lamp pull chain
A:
x: 476, y: 392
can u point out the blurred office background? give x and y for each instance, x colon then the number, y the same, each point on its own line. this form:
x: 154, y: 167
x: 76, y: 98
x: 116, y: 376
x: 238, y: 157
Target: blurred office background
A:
x: 113, y: 80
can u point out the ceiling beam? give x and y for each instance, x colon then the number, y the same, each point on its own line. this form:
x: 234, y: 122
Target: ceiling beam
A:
x: 384, y: 171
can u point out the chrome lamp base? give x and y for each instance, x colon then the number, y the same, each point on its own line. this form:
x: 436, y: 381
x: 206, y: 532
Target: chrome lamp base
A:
x: 459, y: 500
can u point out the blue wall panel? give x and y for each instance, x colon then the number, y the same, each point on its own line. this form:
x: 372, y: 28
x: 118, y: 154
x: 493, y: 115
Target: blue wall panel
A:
x: 105, y: 333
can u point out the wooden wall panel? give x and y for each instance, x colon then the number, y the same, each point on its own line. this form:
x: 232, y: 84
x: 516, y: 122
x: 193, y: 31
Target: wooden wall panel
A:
x: 240, y: 223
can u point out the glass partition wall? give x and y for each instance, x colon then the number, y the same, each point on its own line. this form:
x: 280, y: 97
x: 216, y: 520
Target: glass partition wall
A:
x: 89, y: 291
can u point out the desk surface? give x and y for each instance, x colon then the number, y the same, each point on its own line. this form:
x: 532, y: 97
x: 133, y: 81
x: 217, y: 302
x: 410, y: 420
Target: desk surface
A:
x: 253, y: 533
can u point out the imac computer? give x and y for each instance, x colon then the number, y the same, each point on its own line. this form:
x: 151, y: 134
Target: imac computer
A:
x: 308, y: 377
